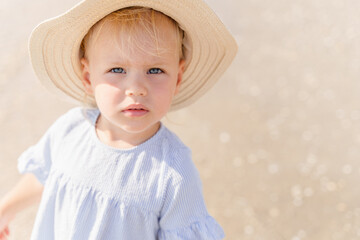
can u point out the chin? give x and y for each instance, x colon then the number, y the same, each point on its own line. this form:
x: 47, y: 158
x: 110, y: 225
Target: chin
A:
x: 141, y: 128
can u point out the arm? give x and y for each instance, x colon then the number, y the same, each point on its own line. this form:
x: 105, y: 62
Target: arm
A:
x: 27, y: 192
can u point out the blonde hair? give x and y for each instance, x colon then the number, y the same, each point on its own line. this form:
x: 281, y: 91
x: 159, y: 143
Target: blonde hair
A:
x: 134, y: 20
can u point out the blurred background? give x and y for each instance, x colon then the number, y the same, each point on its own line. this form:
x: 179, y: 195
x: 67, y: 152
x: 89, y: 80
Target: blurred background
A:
x: 276, y: 140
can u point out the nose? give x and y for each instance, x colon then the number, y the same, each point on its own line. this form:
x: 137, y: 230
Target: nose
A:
x: 135, y: 86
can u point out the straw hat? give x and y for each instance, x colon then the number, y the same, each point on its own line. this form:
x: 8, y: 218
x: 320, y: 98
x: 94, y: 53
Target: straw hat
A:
x: 55, y: 44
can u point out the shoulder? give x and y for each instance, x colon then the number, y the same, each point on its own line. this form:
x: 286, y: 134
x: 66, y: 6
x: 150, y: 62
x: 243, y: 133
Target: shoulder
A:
x: 72, y: 119
x: 171, y: 141
x: 77, y: 114
x: 179, y: 160
x: 176, y: 151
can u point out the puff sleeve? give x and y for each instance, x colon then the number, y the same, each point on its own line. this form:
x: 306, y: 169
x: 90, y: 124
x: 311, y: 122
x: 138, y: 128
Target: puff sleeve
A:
x: 37, y: 159
x: 184, y: 215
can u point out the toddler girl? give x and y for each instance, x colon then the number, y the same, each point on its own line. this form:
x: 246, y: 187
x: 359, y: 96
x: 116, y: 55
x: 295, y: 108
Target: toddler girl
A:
x: 112, y: 170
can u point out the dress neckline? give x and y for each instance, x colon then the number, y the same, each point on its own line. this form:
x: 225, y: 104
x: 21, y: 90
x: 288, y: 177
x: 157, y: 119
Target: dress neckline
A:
x: 93, y: 115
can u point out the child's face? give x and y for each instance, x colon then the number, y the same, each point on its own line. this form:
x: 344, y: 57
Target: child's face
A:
x: 133, y: 86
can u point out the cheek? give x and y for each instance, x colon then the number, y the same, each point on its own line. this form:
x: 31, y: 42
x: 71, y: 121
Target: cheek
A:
x: 107, y: 96
x: 166, y: 88
x: 164, y: 96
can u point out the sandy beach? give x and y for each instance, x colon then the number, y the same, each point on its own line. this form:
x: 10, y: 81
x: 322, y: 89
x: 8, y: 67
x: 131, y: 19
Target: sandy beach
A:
x: 276, y: 140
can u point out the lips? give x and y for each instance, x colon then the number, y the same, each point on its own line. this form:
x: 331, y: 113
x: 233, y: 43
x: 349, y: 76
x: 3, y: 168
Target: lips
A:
x: 135, y: 110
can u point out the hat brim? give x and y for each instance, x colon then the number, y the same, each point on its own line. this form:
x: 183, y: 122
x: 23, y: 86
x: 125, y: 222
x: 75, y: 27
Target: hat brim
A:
x: 54, y: 46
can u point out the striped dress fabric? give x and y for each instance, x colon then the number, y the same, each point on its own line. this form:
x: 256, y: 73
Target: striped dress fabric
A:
x: 93, y: 191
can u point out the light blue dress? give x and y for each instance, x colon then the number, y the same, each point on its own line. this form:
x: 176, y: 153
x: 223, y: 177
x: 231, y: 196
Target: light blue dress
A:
x: 93, y: 191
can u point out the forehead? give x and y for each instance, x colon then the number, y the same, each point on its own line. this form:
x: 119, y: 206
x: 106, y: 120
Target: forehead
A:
x: 150, y: 34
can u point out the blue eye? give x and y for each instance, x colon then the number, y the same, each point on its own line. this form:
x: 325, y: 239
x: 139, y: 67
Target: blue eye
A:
x: 155, y: 71
x: 117, y: 70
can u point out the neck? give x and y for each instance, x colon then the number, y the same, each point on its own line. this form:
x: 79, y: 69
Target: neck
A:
x: 118, y: 138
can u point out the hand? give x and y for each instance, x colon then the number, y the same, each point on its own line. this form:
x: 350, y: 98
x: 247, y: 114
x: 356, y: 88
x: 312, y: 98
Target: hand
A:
x: 5, y: 233
x: 27, y: 192
x: 4, y: 225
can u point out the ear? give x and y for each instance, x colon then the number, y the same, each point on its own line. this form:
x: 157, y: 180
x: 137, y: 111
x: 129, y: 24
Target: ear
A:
x: 85, y: 76
x: 180, y: 75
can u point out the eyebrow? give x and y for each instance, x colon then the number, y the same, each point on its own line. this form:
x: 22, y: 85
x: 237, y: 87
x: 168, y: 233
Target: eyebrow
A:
x: 149, y: 63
